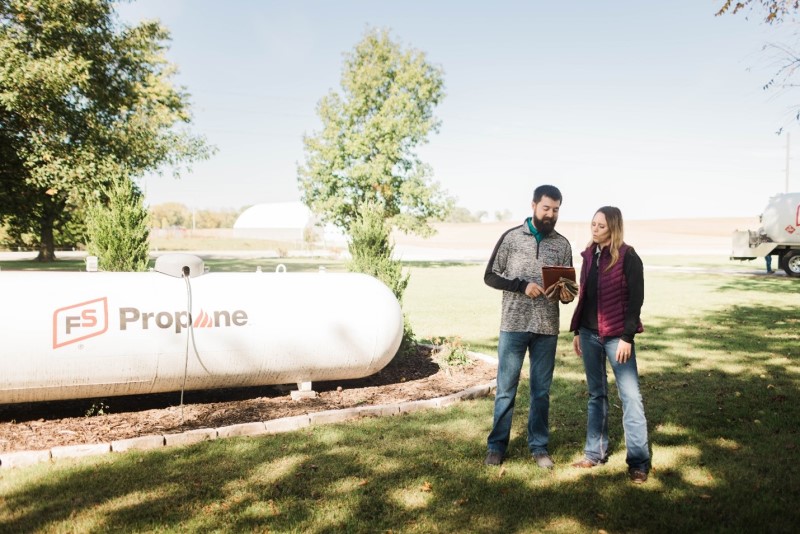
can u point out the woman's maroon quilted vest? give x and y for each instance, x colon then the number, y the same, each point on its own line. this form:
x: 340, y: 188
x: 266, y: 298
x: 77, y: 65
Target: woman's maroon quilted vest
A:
x: 612, y: 293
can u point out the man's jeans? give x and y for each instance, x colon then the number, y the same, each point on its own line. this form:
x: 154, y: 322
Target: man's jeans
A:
x: 595, y: 353
x: 511, y: 351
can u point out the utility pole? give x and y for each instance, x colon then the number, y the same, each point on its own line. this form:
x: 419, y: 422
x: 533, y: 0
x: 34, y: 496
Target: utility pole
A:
x: 787, y: 162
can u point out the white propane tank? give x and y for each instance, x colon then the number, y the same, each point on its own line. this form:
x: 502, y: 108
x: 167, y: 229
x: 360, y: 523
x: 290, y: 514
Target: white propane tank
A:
x: 780, y: 220
x: 81, y: 335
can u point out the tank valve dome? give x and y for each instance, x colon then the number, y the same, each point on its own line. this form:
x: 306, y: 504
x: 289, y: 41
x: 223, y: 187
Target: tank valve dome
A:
x: 180, y: 265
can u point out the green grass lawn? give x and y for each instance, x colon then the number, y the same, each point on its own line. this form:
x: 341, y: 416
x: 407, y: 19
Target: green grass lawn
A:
x: 721, y: 384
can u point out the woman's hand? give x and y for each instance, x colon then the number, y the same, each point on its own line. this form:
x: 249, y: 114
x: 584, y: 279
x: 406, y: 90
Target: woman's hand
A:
x: 623, y: 351
x: 576, y: 344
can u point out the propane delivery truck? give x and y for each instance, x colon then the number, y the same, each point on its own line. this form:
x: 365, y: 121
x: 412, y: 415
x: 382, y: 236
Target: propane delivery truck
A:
x: 779, y: 235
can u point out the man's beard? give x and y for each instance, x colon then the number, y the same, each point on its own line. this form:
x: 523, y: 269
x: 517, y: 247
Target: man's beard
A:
x: 545, y: 226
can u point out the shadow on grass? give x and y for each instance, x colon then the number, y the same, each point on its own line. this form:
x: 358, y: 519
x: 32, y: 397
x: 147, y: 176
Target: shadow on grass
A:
x: 772, y: 283
x: 721, y: 395
x: 421, y: 479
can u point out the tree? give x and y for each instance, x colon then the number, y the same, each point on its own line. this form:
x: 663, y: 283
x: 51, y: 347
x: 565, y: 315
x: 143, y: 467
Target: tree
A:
x: 787, y: 57
x: 462, y: 215
x: 118, y: 229
x: 170, y: 215
x: 776, y: 10
x: 365, y: 151
x: 84, y: 101
x: 503, y: 215
x: 224, y: 218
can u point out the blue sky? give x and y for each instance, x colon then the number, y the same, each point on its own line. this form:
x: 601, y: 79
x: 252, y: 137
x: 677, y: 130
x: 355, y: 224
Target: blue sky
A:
x: 654, y: 106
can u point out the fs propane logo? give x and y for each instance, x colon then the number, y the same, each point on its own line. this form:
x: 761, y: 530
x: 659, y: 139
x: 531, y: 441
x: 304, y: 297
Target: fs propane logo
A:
x: 179, y: 320
x: 80, y: 321
x: 89, y: 319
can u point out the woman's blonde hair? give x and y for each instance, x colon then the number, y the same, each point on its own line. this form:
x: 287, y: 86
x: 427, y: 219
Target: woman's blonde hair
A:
x: 614, y: 222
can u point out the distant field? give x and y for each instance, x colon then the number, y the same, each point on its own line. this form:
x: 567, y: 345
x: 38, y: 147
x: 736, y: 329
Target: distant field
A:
x: 667, y: 236
x: 710, y: 238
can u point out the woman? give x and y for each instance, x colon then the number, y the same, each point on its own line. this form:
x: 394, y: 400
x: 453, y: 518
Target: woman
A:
x: 605, y: 322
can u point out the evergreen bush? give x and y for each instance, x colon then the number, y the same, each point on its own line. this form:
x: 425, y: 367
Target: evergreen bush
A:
x: 371, y: 252
x: 118, y: 230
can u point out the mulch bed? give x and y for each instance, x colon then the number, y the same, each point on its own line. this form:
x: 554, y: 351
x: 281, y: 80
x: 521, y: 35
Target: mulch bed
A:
x: 43, y: 425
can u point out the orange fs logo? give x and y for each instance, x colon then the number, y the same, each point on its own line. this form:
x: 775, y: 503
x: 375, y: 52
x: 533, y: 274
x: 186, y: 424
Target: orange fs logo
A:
x: 80, y: 321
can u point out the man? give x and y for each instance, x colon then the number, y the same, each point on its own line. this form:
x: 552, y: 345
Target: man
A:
x: 529, y: 322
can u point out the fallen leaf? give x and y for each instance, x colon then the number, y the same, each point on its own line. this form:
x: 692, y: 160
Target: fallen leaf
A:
x: 426, y: 486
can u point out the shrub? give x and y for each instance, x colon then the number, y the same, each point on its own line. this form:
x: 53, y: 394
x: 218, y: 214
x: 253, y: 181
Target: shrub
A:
x: 450, y: 352
x: 118, y: 231
x: 97, y: 408
x: 371, y: 251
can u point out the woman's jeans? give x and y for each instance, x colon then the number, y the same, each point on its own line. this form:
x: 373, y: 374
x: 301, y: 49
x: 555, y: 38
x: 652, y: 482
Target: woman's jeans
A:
x: 511, y: 351
x: 596, y: 351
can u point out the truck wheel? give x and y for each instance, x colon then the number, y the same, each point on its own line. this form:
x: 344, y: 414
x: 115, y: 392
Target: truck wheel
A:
x: 790, y: 263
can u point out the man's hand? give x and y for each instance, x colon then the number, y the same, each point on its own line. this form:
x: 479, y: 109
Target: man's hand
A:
x: 576, y: 344
x: 564, y: 290
x: 623, y: 351
x: 534, y: 290
x: 566, y: 296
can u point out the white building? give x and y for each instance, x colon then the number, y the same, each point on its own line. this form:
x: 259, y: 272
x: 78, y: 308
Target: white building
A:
x: 284, y: 221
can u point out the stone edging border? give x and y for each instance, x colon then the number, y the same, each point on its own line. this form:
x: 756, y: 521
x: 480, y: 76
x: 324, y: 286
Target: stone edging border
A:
x: 275, y: 426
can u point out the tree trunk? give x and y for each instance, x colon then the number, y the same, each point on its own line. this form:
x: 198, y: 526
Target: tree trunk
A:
x: 47, y: 245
